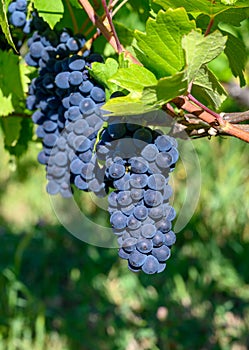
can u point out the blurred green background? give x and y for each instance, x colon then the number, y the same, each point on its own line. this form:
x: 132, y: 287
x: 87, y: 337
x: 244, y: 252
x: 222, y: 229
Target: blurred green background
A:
x: 59, y: 293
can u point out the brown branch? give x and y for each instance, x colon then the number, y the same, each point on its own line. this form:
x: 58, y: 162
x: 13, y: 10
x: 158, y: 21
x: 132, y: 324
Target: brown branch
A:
x: 98, y: 22
x: 221, y: 125
x: 210, y: 24
x: 109, y: 18
x: 202, y: 106
x: 235, y: 117
x: 244, y: 127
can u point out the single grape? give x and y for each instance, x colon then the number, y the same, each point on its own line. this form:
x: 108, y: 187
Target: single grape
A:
x: 148, y: 230
x: 136, y: 259
x: 144, y: 245
x: 162, y: 253
x: 151, y: 265
x: 118, y: 220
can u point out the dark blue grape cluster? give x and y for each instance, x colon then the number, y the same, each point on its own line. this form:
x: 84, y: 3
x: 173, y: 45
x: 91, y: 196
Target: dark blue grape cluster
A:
x: 138, y: 161
x: 131, y: 163
x: 67, y: 105
x: 48, y: 45
x: 18, y: 15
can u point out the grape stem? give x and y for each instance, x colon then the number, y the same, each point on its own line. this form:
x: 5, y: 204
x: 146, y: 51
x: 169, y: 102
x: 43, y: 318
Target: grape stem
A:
x: 210, y: 24
x: 99, y: 23
x: 109, y: 17
x: 236, y: 117
x: 221, y: 125
x: 198, y: 103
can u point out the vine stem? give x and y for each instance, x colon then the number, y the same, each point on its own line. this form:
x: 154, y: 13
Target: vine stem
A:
x: 236, y: 117
x: 198, y: 103
x: 210, y: 24
x: 98, y: 22
x: 75, y: 24
x: 183, y: 102
x: 109, y: 18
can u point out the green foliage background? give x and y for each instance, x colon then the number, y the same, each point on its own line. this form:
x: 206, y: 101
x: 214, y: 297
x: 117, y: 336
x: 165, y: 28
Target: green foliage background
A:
x: 59, y: 293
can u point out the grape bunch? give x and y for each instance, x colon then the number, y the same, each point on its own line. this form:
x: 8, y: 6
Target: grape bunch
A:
x: 108, y: 156
x: 138, y: 162
x: 67, y: 111
x: 18, y: 15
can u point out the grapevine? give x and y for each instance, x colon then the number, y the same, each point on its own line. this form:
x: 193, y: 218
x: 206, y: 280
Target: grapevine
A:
x: 96, y: 116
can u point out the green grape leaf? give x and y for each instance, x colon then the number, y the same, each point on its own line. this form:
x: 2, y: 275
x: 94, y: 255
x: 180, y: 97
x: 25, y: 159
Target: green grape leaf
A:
x: 6, y: 104
x: 134, y: 78
x: 50, y: 11
x: 11, y: 83
x: 236, y: 53
x: 207, y: 88
x: 165, y: 90
x: 150, y: 97
x: 198, y: 7
x: 4, y: 24
x: 11, y: 128
x: 126, y: 105
x: 102, y: 72
x: 125, y: 35
x: 232, y: 16
x: 201, y: 50
x: 20, y: 145
x: 159, y: 49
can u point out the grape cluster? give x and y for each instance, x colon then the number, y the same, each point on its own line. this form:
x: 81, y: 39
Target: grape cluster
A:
x: 129, y: 162
x: 18, y: 15
x: 66, y: 103
x: 68, y: 118
x: 138, y: 162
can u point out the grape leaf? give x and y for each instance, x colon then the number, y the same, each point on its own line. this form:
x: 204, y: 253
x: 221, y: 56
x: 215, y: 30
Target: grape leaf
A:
x: 236, y: 53
x: 126, y: 105
x: 125, y: 34
x: 200, y: 6
x: 20, y: 145
x: 165, y: 90
x: 11, y: 128
x: 134, y: 78
x: 159, y: 49
x: 4, y: 24
x: 50, y: 11
x: 232, y: 16
x: 102, y: 72
x: 207, y: 88
x: 201, y: 50
x: 11, y: 85
x: 6, y: 104
x: 150, y: 98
